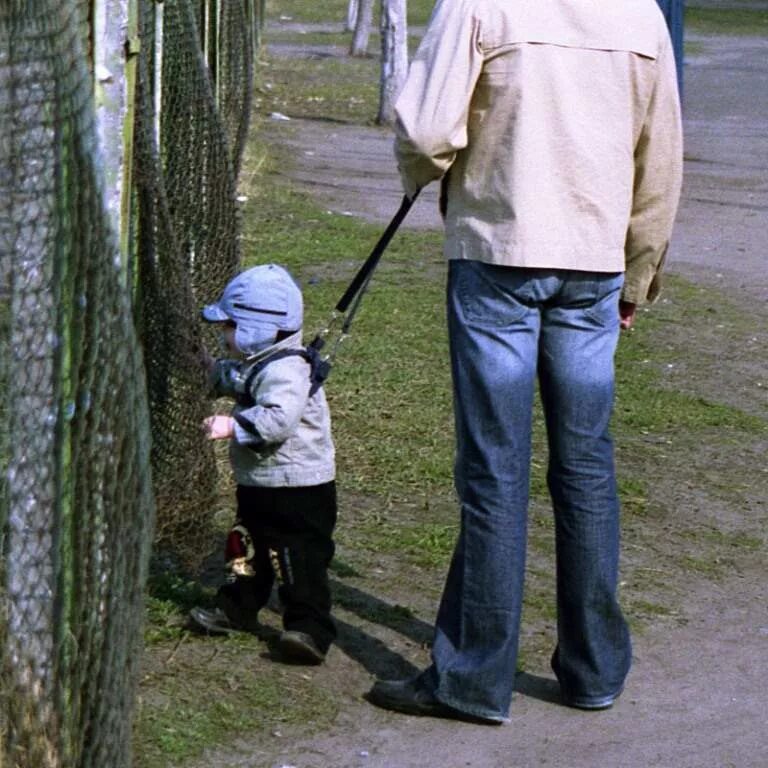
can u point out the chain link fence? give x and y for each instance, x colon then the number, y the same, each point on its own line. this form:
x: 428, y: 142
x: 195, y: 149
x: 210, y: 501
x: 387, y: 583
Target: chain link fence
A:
x: 101, y: 389
x: 187, y: 241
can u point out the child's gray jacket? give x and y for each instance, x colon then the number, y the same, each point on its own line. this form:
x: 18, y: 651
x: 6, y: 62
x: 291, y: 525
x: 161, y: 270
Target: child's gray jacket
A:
x: 282, y: 435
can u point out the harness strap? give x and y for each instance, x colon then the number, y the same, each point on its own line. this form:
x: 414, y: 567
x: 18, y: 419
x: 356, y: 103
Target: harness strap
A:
x: 318, y: 373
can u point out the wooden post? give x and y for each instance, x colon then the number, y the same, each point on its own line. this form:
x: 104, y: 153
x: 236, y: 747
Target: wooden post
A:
x: 394, y: 56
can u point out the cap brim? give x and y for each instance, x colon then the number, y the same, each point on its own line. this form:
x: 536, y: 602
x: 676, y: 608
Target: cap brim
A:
x: 213, y: 313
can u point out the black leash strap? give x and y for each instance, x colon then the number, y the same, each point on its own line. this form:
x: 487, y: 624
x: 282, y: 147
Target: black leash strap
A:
x: 360, y: 281
x: 354, y: 293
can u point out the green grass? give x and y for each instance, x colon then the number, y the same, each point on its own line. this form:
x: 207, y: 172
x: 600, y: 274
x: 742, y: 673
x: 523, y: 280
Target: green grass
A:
x: 169, y: 599
x: 320, y: 38
x: 323, y: 43
x: 693, y: 48
x: 750, y: 22
x: 645, y: 405
x: 347, y: 90
x: 217, y: 695
x: 198, y: 691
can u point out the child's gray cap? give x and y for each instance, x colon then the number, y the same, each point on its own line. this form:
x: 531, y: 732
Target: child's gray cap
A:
x: 260, y: 301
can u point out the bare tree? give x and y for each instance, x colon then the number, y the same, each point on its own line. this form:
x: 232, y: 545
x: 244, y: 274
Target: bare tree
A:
x: 363, y: 19
x: 352, y: 9
x: 394, y: 56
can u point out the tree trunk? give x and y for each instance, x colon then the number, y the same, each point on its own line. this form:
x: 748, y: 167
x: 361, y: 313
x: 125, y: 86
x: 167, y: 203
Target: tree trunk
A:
x: 352, y: 9
x: 394, y: 56
x: 363, y: 20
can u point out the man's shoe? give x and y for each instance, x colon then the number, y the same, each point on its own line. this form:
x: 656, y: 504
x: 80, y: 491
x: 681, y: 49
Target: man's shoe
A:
x: 299, y: 648
x: 411, y: 697
x: 213, y: 621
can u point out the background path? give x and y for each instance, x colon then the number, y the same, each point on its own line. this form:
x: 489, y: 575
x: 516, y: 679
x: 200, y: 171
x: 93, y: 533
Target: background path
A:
x: 722, y: 228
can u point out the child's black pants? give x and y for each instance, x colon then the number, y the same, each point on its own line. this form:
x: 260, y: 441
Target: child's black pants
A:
x: 292, y: 534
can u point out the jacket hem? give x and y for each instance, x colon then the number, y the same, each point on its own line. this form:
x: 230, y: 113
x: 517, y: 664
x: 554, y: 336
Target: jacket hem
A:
x: 599, y: 258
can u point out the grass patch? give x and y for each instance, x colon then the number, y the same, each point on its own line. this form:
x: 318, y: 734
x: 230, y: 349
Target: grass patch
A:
x: 644, y: 609
x: 724, y: 541
x: 749, y: 22
x: 430, y: 545
x: 340, y: 89
x: 343, y: 569
x: 320, y: 38
x: 215, y: 691
x: 170, y: 598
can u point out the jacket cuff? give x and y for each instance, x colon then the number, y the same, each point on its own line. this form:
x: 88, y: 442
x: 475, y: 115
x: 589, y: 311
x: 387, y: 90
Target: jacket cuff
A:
x: 641, y: 291
x: 410, y: 187
x: 642, y: 279
x: 246, y: 434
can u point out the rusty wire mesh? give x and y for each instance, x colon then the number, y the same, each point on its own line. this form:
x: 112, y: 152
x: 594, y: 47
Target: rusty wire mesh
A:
x: 187, y: 248
x: 99, y: 354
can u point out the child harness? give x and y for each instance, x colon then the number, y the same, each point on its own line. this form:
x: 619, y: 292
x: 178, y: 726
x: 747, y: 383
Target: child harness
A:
x: 318, y: 372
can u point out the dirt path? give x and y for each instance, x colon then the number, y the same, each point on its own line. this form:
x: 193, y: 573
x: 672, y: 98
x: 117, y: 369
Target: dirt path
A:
x: 722, y: 227
x: 695, y: 699
x: 697, y: 696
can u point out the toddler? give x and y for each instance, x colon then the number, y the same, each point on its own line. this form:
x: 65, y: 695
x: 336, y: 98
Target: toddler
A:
x: 282, y: 456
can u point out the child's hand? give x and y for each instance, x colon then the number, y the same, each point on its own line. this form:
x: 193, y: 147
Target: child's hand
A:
x: 219, y: 427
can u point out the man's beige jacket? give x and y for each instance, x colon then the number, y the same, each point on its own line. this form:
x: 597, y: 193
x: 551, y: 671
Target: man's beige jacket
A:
x: 558, y: 125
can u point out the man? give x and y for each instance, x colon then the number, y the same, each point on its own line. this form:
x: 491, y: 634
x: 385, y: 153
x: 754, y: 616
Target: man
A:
x: 555, y: 127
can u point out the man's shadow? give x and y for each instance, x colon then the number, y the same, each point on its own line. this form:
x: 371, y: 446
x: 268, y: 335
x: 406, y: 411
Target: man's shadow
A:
x: 384, y: 663
x: 373, y: 654
x: 370, y: 652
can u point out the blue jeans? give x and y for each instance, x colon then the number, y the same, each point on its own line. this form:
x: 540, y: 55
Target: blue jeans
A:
x: 505, y: 326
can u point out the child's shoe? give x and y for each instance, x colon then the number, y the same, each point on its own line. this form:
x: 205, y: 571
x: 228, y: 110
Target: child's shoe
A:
x: 237, y: 610
x: 300, y: 648
x: 213, y: 621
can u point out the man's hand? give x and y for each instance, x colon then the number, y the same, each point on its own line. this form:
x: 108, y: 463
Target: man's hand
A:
x: 219, y: 427
x: 627, y: 312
